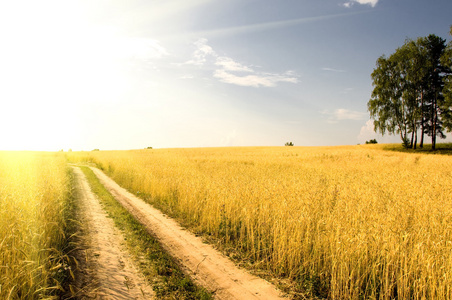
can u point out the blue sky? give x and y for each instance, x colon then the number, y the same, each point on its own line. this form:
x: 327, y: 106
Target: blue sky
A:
x: 179, y: 73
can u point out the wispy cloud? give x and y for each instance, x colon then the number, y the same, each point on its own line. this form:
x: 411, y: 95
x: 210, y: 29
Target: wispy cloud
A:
x: 230, y: 71
x: 266, y: 80
x: 234, y: 30
x: 372, y: 3
x: 333, y: 70
x: 347, y: 90
x: 201, y: 53
x: 341, y: 114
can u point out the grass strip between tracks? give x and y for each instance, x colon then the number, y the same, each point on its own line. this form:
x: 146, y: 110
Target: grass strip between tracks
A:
x: 168, y: 281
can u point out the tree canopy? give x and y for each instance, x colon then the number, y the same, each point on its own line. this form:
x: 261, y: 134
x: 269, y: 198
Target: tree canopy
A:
x: 413, y: 91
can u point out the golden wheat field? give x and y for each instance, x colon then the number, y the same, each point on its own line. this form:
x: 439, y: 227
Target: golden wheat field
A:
x: 352, y: 222
x: 34, y: 190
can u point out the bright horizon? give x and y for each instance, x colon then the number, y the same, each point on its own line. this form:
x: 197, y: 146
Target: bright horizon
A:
x: 86, y: 75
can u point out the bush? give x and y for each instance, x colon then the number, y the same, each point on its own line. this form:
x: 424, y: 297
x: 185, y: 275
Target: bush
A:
x: 374, y: 141
x: 406, y: 143
x: 289, y: 144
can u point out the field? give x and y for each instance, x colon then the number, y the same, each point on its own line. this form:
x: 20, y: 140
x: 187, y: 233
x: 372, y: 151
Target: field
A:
x: 358, y: 222
x: 338, y: 222
x: 34, y: 223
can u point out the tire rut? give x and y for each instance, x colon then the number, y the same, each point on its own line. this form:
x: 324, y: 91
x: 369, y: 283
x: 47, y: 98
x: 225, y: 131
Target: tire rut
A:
x: 207, y: 266
x: 105, y: 269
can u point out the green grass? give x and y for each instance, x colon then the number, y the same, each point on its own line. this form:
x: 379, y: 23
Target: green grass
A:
x: 168, y: 281
x: 66, y: 276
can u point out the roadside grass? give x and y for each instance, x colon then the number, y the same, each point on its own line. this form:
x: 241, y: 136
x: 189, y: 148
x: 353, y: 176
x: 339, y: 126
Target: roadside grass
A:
x: 168, y: 281
x: 71, y: 231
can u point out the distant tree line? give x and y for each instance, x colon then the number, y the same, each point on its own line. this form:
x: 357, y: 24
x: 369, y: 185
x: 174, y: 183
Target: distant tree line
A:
x: 413, y: 91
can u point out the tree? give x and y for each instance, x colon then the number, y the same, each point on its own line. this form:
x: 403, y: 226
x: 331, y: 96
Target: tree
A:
x: 387, y: 106
x: 446, y: 106
x: 413, y: 62
x: 409, y: 89
x: 435, y: 77
x: 289, y: 144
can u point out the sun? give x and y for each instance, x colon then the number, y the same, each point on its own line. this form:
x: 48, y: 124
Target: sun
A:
x: 55, y: 62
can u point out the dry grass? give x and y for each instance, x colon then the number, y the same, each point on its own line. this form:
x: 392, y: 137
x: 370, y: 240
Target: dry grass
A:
x: 352, y: 222
x: 34, y: 188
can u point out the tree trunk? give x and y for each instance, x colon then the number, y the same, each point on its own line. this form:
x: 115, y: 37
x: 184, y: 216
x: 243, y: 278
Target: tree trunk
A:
x: 434, y: 134
x: 415, y: 140
x: 412, y: 139
x: 403, y: 138
x: 421, y: 145
x: 434, y: 121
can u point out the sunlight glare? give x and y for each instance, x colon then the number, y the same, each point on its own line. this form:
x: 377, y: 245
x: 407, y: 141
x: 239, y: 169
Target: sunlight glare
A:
x: 54, y: 63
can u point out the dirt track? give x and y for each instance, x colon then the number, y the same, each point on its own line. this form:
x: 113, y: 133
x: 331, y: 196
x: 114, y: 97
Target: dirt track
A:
x: 202, y: 262
x: 105, y: 270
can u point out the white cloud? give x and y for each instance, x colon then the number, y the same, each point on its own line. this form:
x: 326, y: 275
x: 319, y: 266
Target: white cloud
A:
x: 266, y: 80
x: 346, y: 114
x: 201, y: 53
x: 230, y: 65
x: 372, y: 3
x: 227, y: 69
x: 341, y: 114
x: 367, y: 132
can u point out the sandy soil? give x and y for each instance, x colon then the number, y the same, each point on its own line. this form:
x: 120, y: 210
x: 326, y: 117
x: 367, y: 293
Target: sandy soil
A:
x: 202, y: 262
x: 105, y: 268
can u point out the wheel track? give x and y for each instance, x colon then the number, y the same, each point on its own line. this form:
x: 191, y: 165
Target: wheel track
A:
x: 202, y: 262
x: 105, y: 269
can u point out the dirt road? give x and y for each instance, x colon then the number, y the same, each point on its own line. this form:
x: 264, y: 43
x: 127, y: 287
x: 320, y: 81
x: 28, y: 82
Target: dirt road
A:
x: 202, y: 262
x: 105, y: 269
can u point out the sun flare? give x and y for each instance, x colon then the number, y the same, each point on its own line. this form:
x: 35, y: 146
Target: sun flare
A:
x: 55, y: 65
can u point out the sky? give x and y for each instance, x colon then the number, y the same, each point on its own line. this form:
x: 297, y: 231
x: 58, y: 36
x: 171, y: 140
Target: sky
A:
x: 116, y: 75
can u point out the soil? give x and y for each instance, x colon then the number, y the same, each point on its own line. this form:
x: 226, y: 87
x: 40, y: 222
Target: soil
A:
x: 207, y: 266
x: 105, y: 269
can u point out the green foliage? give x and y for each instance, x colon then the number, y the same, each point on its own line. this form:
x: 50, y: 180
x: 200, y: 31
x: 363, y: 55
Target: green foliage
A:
x: 409, y: 91
x: 446, y: 60
x: 374, y: 141
x: 289, y: 144
x: 148, y: 147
